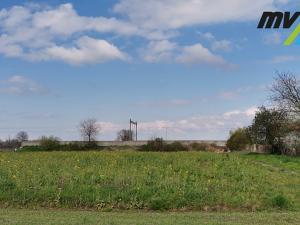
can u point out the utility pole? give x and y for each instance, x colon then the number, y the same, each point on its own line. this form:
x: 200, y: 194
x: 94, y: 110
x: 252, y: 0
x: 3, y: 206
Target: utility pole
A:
x: 131, y: 122
x: 166, y: 133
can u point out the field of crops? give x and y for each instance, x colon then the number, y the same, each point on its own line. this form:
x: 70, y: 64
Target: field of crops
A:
x: 150, y: 181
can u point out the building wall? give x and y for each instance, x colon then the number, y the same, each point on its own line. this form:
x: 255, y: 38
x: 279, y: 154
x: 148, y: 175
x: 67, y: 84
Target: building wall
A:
x: 132, y: 143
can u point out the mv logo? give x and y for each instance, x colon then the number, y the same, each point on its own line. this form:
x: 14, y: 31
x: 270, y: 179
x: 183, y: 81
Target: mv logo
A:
x: 274, y: 20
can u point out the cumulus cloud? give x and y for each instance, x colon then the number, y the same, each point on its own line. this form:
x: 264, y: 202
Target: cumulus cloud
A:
x: 159, y: 51
x: 87, y: 50
x: 45, y: 33
x: 250, y: 112
x: 20, y: 85
x: 174, y: 14
x: 197, y: 54
x: 217, y: 45
x: 166, y: 51
x: 36, y: 32
x: 108, y: 127
x: 196, y: 127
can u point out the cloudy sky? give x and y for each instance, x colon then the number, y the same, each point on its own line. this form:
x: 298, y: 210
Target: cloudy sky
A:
x: 192, y: 69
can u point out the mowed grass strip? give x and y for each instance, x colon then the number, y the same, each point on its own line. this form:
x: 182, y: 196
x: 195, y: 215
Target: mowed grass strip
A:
x: 54, y: 217
x: 151, y: 181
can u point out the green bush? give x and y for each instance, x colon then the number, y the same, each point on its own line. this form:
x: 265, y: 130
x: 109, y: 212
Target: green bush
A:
x: 155, y: 145
x: 238, y: 140
x: 30, y: 149
x: 159, y: 145
x: 280, y: 201
x: 50, y: 143
x: 73, y: 146
x: 199, y: 147
x: 176, y: 147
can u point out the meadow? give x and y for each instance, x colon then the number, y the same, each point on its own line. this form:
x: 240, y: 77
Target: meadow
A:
x: 130, y: 180
x: 71, y: 217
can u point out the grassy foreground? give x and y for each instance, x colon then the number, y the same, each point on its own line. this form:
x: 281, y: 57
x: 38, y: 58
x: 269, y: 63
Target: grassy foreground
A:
x: 50, y: 217
x: 156, y: 181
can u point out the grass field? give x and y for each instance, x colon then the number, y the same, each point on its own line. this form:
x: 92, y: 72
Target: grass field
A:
x: 54, y: 217
x: 180, y: 181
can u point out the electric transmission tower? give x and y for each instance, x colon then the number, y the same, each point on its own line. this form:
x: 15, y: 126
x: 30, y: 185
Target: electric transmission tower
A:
x: 134, y: 124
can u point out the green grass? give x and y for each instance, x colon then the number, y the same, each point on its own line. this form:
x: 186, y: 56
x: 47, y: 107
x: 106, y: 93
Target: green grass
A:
x: 55, y: 217
x: 150, y: 181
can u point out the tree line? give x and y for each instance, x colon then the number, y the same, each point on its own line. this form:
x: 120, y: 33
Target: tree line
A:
x: 276, y: 127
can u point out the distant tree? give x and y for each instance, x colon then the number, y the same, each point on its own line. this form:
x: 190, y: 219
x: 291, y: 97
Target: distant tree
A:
x: 50, y: 143
x: 89, y: 130
x: 10, y: 144
x: 125, y: 135
x: 239, y: 139
x: 269, y: 127
x: 286, y: 92
x: 22, y: 136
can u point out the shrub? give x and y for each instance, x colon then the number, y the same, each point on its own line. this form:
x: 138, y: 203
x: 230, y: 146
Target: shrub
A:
x: 238, y: 140
x: 199, y: 146
x: 30, y: 149
x: 159, y: 204
x: 159, y: 145
x: 90, y: 145
x: 155, y: 145
x: 50, y: 143
x: 176, y: 147
x: 10, y: 144
x: 73, y: 146
x: 269, y: 127
x: 280, y: 201
x: 125, y: 135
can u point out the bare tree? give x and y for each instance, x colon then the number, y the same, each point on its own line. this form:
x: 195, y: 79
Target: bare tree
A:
x: 22, y: 136
x: 89, y: 130
x: 125, y: 135
x: 286, y: 92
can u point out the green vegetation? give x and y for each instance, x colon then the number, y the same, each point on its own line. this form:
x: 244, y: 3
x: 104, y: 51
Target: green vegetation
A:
x: 48, y: 145
x: 158, y: 181
x: 159, y: 145
x: 238, y: 140
x: 275, y: 129
x: 51, y: 217
x: 269, y: 128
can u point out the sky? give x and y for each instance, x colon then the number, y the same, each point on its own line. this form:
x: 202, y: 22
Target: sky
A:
x: 192, y: 69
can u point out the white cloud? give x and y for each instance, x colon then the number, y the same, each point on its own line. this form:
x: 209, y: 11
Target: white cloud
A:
x: 196, y: 127
x: 107, y: 127
x: 223, y: 45
x: 87, y: 50
x: 64, y: 20
x: 42, y: 33
x: 166, y: 51
x: 159, y: 51
x: 217, y: 45
x: 20, y: 85
x: 37, y: 32
x: 174, y: 14
x: 197, y: 54
x: 250, y: 112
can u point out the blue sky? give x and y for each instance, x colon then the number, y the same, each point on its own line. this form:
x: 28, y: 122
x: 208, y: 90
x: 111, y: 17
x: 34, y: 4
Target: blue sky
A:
x: 196, y: 69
